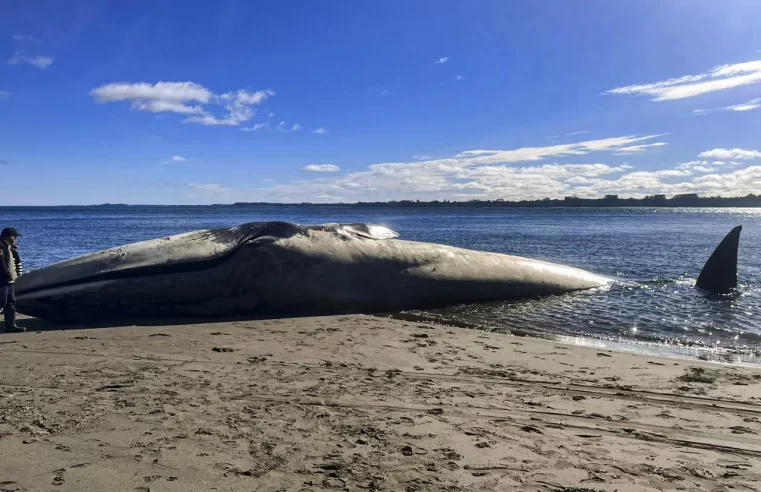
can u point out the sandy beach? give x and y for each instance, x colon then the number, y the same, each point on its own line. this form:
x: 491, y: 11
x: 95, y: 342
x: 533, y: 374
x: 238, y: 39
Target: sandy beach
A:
x: 363, y: 403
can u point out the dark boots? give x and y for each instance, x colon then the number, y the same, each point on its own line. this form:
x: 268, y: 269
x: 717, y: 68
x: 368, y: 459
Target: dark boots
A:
x: 10, y: 322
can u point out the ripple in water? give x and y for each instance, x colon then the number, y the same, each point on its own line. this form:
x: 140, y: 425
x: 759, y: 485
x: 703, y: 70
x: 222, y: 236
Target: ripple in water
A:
x: 661, y: 317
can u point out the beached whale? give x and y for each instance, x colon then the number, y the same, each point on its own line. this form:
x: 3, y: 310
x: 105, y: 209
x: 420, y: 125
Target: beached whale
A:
x: 284, y: 269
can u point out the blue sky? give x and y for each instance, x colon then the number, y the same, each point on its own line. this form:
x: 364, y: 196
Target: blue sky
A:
x: 216, y: 102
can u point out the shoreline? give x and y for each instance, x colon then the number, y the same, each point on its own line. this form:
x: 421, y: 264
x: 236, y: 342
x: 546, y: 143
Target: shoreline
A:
x: 364, y: 402
x: 693, y: 350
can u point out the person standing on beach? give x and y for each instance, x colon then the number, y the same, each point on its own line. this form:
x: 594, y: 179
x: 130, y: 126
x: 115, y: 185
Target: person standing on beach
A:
x: 10, y: 269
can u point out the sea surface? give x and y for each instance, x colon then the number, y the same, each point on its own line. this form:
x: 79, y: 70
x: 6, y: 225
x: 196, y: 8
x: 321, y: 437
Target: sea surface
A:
x: 655, y: 255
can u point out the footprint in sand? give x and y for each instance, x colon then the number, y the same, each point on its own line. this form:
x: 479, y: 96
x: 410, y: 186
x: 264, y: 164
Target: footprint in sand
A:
x: 11, y: 487
x: 58, y: 478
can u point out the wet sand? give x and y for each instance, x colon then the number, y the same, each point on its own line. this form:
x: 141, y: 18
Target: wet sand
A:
x: 363, y: 403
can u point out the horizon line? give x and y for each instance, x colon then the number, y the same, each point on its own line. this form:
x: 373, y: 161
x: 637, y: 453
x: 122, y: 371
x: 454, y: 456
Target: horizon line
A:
x: 660, y: 199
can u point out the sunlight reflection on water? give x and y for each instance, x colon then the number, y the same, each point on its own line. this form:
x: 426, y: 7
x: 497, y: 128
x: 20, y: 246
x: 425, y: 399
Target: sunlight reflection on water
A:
x: 655, y: 255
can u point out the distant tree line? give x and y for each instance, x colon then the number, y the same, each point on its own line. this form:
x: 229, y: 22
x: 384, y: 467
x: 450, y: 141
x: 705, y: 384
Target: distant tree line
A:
x: 685, y: 200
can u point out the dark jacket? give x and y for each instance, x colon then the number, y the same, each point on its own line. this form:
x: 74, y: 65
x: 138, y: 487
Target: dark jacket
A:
x: 10, y: 263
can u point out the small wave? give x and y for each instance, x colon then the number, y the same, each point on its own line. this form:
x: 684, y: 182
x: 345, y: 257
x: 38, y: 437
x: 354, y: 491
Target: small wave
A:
x: 662, y: 313
x: 685, y: 281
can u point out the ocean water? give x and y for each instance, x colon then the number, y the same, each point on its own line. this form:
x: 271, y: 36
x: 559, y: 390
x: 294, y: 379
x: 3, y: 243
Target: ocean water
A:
x: 655, y: 255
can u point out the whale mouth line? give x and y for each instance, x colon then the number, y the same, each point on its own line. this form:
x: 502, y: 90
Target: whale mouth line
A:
x: 137, y: 272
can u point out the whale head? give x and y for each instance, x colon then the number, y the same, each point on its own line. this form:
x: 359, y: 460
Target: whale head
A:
x: 177, y: 274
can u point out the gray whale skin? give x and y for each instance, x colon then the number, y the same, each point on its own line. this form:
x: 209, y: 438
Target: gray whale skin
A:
x: 283, y: 269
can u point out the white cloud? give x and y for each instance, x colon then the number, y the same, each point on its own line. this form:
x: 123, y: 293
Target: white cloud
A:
x: 246, y: 98
x: 579, y: 180
x: 281, y: 127
x: 436, y: 180
x: 176, y: 92
x: 719, y: 78
x: 167, y: 107
x: 37, y: 61
x: 211, y: 120
x: 321, y: 168
x: 209, y: 188
x: 4, y: 95
x: 638, y: 148
x: 738, y: 108
x: 330, y: 198
x: 482, y: 174
x: 34, y: 60
x: 537, y: 153
x: 384, y: 92
x: 459, y: 77
x: 443, y: 59
x: 173, y: 159
x: 701, y: 166
x: 176, y: 97
x: 238, y: 106
x: 256, y: 127
x: 639, y: 184
x: 737, y: 183
x: 19, y: 38
x: 580, y: 132
x: 730, y: 154
x: 474, y: 174
x: 320, y: 131
x: 696, y: 166
x: 746, y: 106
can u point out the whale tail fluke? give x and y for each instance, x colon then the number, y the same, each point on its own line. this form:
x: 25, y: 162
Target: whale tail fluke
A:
x: 719, y: 274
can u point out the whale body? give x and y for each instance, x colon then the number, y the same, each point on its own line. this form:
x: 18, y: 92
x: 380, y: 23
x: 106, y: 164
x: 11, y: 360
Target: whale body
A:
x: 280, y: 268
x: 285, y: 269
